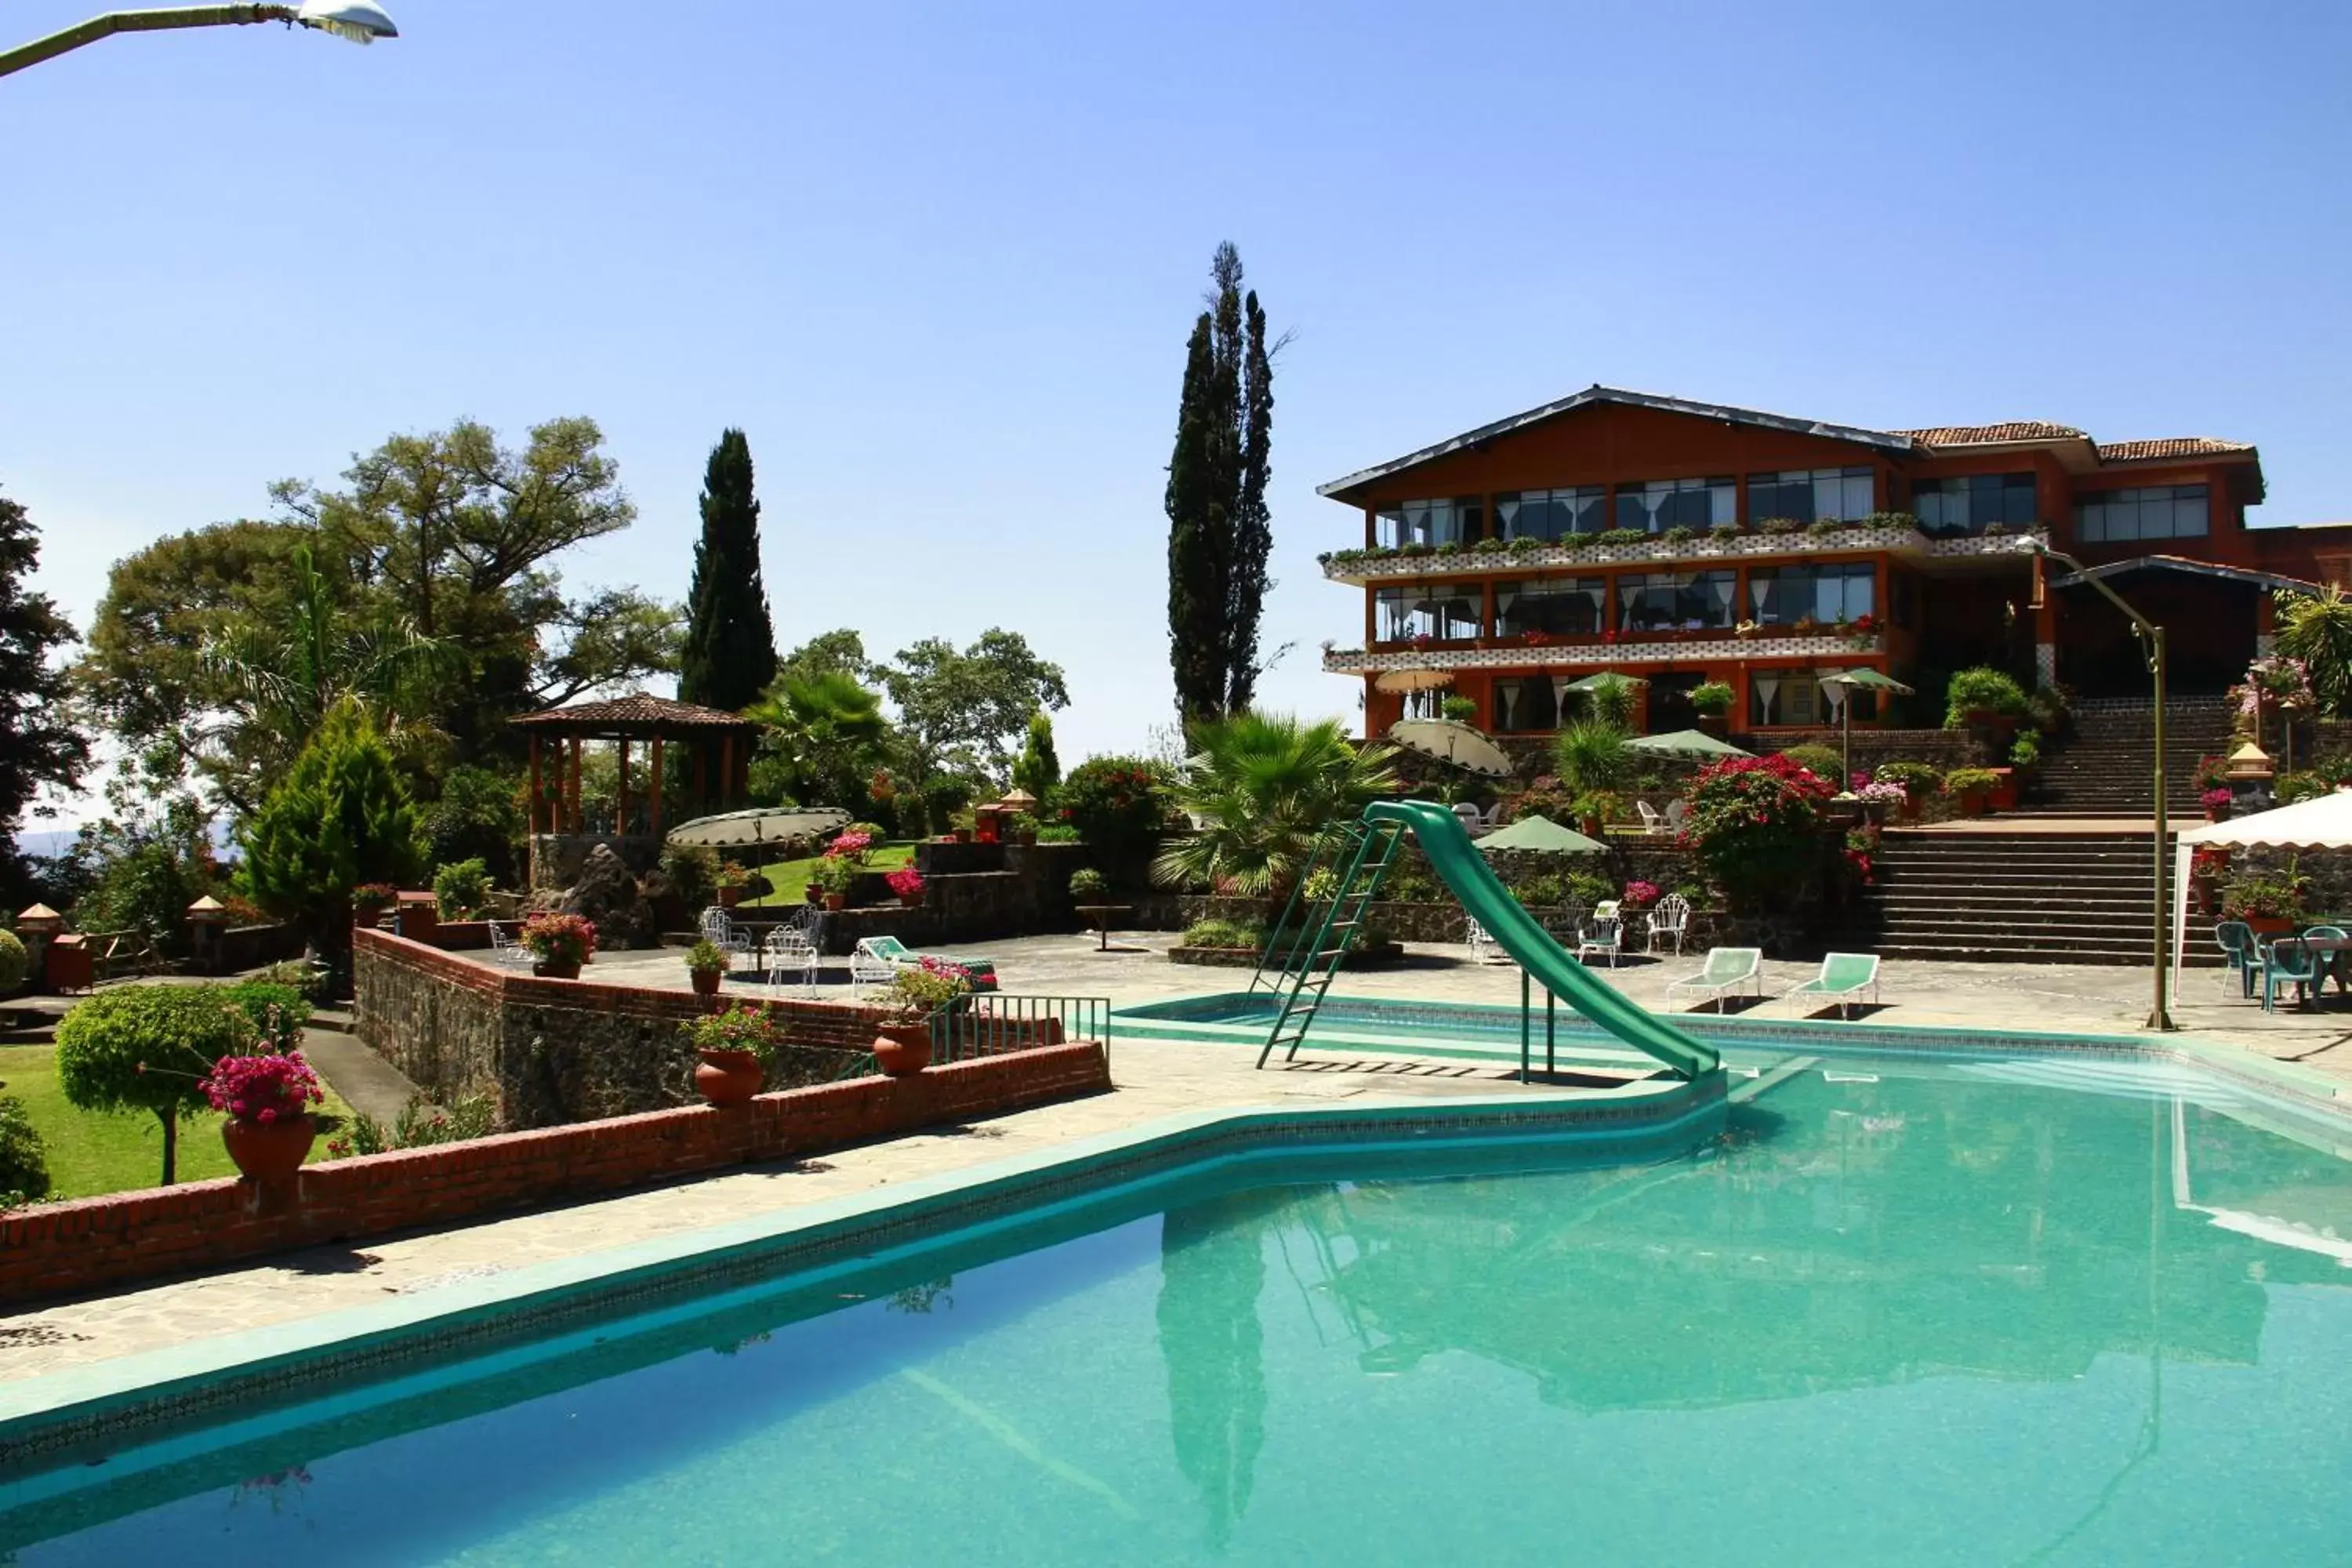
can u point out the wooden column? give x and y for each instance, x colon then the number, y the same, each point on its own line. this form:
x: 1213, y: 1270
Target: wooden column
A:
x: 726, y: 770
x: 621, y: 797
x: 653, y: 791
x: 532, y: 810
x: 702, y: 775
x: 576, y: 815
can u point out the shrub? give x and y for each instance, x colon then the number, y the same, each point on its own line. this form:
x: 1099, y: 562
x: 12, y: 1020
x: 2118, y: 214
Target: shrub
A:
x: 1611, y: 701
x: 479, y: 817
x: 1723, y: 531
x: 1982, y: 689
x: 2301, y: 784
x: 1822, y: 528
x: 419, y: 1124
x: 1590, y: 888
x: 147, y: 1047
x: 1546, y: 888
x: 1915, y: 778
x: 461, y: 890
x: 922, y: 989
x: 1224, y: 933
x: 1088, y: 883
x: 742, y: 1027
x: 692, y: 872
x: 1620, y: 536
x: 24, y: 1158
x: 1526, y: 546
x: 1057, y: 833
x: 1822, y: 762
x: 905, y: 882
x: 1680, y: 533
x: 2048, y: 707
x: 2025, y: 752
x: 2263, y: 898
x: 14, y: 963
x: 1970, y: 781
x: 277, y: 1012
x: 560, y: 939
x: 1711, y: 699
x: 834, y: 874
x: 1461, y: 710
x: 706, y: 957
x: 1117, y: 804
x: 1602, y: 806
x: 1640, y: 895
x: 1754, y: 824
x: 308, y: 981
x: 341, y: 817
x: 1591, y: 754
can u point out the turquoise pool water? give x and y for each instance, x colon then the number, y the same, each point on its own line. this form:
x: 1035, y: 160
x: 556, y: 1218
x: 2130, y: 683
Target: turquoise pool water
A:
x: 1888, y: 1311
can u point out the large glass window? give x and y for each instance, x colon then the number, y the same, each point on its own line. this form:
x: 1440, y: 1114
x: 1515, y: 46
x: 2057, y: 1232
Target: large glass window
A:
x: 1532, y: 703
x: 1811, y: 495
x: 1966, y: 503
x: 1671, y: 601
x: 1446, y: 610
x: 1559, y: 606
x: 1437, y: 521
x: 2158, y: 511
x: 1785, y: 696
x: 1677, y: 503
x: 1783, y: 595
x: 1553, y: 514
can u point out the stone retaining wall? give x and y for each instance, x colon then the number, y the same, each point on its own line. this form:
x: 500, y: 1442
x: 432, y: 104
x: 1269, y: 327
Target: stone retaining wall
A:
x: 52, y: 1249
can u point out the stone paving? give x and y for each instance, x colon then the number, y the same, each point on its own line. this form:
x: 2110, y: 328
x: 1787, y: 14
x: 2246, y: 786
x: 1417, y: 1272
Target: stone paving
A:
x: 1154, y: 1078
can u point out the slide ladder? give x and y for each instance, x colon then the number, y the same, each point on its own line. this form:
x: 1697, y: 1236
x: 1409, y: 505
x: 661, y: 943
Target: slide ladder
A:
x: 1368, y: 848
x: 1303, y: 951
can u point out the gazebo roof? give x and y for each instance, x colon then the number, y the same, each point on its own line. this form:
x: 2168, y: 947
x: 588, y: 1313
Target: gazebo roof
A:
x: 636, y: 714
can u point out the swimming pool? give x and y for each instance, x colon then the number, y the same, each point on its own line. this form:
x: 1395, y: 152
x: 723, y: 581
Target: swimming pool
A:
x: 1876, y: 1308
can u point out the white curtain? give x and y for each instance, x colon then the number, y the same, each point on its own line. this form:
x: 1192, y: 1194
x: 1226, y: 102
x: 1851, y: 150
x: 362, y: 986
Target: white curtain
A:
x: 1832, y: 695
x: 1560, y: 684
x: 1767, y: 687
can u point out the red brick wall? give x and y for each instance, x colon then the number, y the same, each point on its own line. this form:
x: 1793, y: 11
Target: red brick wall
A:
x: 92, y: 1243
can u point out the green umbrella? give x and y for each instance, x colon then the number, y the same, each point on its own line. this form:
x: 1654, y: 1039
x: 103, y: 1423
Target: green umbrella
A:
x: 1861, y: 680
x: 1595, y: 682
x: 1538, y: 836
x: 1685, y: 743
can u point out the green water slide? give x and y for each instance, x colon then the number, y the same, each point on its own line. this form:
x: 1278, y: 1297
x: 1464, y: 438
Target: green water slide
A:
x: 1483, y: 896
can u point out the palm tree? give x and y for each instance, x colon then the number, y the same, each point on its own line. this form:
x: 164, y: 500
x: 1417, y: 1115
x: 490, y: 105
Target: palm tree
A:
x: 1266, y: 791
x: 2318, y: 631
x: 828, y: 735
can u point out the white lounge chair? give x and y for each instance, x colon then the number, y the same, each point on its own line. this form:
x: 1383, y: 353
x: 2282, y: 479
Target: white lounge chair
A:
x: 1844, y: 978
x: 1670, y: 919
x: 1727, y: 970
x: 1483, y: 948
x: 1652, y: 823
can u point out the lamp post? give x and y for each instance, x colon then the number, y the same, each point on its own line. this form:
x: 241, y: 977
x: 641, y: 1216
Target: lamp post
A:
x: 2151, y: 636
x: 357, y: 20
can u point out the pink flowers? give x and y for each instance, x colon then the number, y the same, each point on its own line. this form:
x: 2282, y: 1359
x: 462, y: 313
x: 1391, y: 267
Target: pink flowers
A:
x: 906, y: 882
x: 566, y: 939
x: 1641, y: 895
x: 2215, y: 799
x: 262, y: 1088
x: 851, y: 846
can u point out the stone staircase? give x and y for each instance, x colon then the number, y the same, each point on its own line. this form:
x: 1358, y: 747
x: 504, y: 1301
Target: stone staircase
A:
x: 2028, y: 896
x: 2102, y: 769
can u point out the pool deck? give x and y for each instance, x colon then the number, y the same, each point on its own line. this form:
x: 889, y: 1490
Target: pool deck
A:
x: 1154, y: 1078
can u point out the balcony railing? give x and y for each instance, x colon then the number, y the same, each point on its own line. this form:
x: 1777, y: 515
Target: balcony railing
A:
x: 1712, y: 645
x: 1899, y: 532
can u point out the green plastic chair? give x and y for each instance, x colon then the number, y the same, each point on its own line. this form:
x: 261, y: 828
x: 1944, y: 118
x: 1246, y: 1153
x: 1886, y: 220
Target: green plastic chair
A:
x: 2337, y: 963
x: 1845, y: 979
x: 2236, y: 941
x: 2291, y: 963
x: 1727, y: 970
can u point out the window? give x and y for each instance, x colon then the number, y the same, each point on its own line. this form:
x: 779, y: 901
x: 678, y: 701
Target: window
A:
x: 1677, y: 503
x: 1668, y: 601
x: 1811, y: 495
x: 2159, y: 511
x: 1431, y: 610
x: 1553, y: 514
x: 1966, y: 503
x: 1428, y: 522
x: 1783, y: 595
x: 1529, y: 704
x: 1558, y: 606
x: 1785, y: 696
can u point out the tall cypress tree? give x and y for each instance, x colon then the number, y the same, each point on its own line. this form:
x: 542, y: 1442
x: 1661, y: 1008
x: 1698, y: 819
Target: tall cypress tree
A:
x: 1218, y: 530
x: 37, y: 744
x: 731, y: 646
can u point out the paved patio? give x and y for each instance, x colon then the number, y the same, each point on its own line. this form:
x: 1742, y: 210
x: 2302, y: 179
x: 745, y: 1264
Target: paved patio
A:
x: 1154, y: 1077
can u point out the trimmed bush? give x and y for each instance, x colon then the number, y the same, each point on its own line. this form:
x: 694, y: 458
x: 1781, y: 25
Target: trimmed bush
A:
x: 1224, y: 933
x: 24, y: 1158
x: 14, y: 963
x: 143, y: 1047
x: 461, y: 889
x: 277, y: 1012
x: 1822, y: 762
x: 1983, y: 690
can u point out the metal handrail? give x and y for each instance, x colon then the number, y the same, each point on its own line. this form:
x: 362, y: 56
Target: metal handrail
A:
x: 994, y: 1022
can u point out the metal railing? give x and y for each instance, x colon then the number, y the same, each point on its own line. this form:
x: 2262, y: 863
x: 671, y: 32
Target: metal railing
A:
x: 991, y: 1023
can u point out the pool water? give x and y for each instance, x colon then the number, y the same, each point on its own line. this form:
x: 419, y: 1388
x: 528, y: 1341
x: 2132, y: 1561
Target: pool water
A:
x: 1890, y: 1310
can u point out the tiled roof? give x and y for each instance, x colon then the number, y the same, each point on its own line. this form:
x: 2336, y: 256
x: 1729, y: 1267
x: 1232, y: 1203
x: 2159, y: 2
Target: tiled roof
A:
x: 637, y: 707
x: 2170, y: 447
x: 1978, y: 434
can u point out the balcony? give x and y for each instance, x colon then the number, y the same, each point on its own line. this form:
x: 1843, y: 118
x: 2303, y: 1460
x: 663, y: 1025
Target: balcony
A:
x: 1894, y: 533
x: 1704, y: 648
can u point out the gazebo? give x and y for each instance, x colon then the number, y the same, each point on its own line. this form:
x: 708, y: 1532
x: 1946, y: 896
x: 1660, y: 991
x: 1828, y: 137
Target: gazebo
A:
x: 719, y: 744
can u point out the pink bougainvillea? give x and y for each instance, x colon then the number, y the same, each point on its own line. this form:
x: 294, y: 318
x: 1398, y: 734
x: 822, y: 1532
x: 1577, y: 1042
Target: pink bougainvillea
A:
x: 262, y: 1088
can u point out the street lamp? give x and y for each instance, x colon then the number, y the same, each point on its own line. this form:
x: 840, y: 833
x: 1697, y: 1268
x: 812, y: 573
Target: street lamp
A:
x: 2151, y: 636
x: 357, y: 20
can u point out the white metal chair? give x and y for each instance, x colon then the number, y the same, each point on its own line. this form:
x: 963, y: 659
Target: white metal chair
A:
x: 1483, y: 948
x: 1468, y: 816
x: 1604, y: 934
x: 506, y: 950
x: 791, y: 958
x: 1671, y: 918
x: 718, y: 929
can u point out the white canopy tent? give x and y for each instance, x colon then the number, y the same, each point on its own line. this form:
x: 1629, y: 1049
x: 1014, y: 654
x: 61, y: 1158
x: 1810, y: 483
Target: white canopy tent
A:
x: 2324, y: 822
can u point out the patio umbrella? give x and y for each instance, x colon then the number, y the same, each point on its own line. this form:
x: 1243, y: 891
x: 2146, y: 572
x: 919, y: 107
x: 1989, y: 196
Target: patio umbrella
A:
x: 1595, y: 682
x: 1448, y: 741
x: 1851, y: 682
x: 761, y: 825
x: 1413, y: 679
x: 1539, y: 836
x: 1685, y: 743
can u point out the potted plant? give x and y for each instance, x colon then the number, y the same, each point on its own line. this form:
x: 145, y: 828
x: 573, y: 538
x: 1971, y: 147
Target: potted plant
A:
x: 1596, y: 808
x: 1460, y: 709
x: 1879, y: 796
x: 705, y: 965
x: 1970, y: 788
x: 560, y: 942
x: 268, y: 1101
x: 731, y: 882
x: 1983, y: 698
x: 369, y: 899
x: 734, y: 1050
x: 907, y: 883
x: 833, y: 877
x: 1088, y: 885
x: 2216, y: 802
x: 1639, y: 896
x: 1918, y: 781
x: 2206, y: 866
x: 919, y: 993
x: 1023, y: 828
x: 1711, y: 700
x: 2270, y: 906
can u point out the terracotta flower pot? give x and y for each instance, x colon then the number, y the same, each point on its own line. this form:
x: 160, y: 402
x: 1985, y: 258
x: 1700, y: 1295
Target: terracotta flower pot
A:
x: 911, y: 900
x: 268, y: 1151
x: 836, y: 900
x: 731, y: 897
x: 706, y: 981
x: 728, y: 1077
x: 557, y: 969
x: 902, y: 1050
x: 2269, y: 926
x: 815, y: 895
x: 964, y: 834
x: 1028, y: 839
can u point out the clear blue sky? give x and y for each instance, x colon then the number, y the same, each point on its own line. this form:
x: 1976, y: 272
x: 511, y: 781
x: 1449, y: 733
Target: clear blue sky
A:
x: 940, y: 264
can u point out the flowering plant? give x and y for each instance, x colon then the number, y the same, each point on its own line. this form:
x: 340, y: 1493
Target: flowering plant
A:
x: 730, y: 874
x: 1421, y: 639
x: 262, y: 1088
x: 906, y: 882
x: 2255, y: 896
x: 742, y: 1027
x: 1539, y: 638
x: 1641, y: 895
x: 1865, y: 623
x: 850, y: 846
x: 1754, y: 823
x: 2277, y: 680
x: 560, y: 939
x: 2209, y: 862
x: 922, y: 989
x: 1885, y: 790
x: 374, y: 896
x: 2215, y: 799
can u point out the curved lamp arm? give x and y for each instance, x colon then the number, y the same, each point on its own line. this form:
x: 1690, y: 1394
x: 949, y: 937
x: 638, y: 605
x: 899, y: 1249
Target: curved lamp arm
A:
x: 360, y: 21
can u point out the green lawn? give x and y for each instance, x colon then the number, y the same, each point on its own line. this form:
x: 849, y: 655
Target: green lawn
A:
x: 92, y: 1152
x: 791, y: 877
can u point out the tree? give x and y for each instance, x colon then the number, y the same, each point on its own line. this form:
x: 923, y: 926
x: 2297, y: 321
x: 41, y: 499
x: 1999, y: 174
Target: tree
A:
x: 1219, y: 534
x: 1038, y: 770
x: 145, y: 1048
x: 2318, y: 631
x: 840, y: 651
x: 342, y: 817
x: 826, y: 736
x: 1268, y: 791
x: 730, y: 656
x: 37, y: 746
x: 960, y: 712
